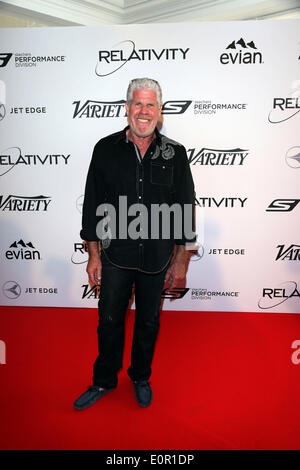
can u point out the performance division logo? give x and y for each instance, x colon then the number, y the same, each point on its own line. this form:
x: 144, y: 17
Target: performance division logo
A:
x: 22, y: 251
x: 207, y: 156
x: 115, y: 109
x: 24, y: 203
x: 291, y: 253
x: 208, y: 107
x: 292, y: 157
x: 4, y: 58
x: 26, y: 59
x: 12, y: 156
x: 272, y: 297
x: 282, y: 205
x: 242, y: 53
x: 207, y: 294
x: 109, y: 61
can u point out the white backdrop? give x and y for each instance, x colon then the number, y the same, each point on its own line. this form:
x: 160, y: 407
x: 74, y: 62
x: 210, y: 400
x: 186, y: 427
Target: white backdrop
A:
x: 231, y: 94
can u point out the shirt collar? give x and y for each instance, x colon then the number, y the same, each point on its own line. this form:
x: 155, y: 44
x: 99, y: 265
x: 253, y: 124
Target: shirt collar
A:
x: 122, y: 136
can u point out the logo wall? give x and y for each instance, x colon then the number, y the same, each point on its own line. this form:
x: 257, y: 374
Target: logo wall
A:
x: 239, y: 126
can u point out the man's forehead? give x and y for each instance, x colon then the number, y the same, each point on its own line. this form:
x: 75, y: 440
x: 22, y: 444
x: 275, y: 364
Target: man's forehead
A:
x: 145, y: 93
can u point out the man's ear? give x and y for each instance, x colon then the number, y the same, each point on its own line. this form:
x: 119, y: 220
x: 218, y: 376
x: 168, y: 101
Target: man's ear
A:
x: 126, y: 107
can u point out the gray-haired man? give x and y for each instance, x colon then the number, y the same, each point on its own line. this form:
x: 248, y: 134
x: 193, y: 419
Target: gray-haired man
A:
x: 133, y: 172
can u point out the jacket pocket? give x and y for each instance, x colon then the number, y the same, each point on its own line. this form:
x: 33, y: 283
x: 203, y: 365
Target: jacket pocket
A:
x: 161, y: 174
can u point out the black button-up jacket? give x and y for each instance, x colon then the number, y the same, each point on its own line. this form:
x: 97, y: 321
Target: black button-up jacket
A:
x: 162, y: 176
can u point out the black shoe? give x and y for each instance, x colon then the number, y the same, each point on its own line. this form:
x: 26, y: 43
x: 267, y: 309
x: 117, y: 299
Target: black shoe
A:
x: 143, y: 392
x: 90, y: 396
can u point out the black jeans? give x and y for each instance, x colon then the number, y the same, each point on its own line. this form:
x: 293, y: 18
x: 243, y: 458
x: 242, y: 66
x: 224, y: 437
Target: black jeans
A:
x: 115, y: 292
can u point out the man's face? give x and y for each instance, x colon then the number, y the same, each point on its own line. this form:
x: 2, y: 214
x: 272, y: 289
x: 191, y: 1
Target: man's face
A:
x: 143, y: 112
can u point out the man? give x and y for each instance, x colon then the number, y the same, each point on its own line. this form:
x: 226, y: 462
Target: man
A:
x: 133, y: 172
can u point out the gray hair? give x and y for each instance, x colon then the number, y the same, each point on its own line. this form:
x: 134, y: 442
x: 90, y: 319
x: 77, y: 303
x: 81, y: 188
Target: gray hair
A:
x: 137, y: 83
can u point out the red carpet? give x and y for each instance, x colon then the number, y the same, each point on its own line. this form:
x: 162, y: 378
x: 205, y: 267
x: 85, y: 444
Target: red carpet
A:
x: 220, y: 381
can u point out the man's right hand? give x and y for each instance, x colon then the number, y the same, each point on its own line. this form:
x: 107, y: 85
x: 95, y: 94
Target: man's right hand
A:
x: 94, y: 266
x: 94, y: 269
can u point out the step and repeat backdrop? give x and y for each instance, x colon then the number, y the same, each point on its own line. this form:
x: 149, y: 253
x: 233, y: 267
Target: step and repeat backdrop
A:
x: 231, y: 94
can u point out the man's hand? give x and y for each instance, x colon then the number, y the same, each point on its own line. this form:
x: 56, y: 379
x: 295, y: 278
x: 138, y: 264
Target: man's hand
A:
x: 176, y: 274
x: 94, y: 266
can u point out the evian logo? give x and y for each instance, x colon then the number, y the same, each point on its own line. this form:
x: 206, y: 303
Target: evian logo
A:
x: 22, y: 251
x: 242, y: 53
x: 109, y: 61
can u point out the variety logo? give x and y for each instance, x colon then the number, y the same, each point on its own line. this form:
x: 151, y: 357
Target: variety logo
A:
x: 90, y: 292
x: 282, y: 205
x: 24, y: 203
x: 241, y: 53
x: 109, y: 61
x: 2, y: 352
x: 4, y: 58
x: 207, y: 156
x: 208, y: 107
x: 12, y: 156
x: 80, y: 255
x: 284, y: 109
x: 205, y: 294
x: 116, y: 109
x: 292, y: 157
x: 20, y: 251
x: 223, y: 202
x: 272, y: 297
x: 11, y: 290
x: 226, y: 251
x: 291, y: 253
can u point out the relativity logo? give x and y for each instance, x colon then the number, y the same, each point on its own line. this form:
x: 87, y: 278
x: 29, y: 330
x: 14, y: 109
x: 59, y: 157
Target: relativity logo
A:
x: 220, y: 157
x: 221, y: 202
x: 80, y: 254
x: 110, y: 61
x: 272, y: 297
x: 284, y: 109
x: 12, y: 156
x: 292, y: 157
